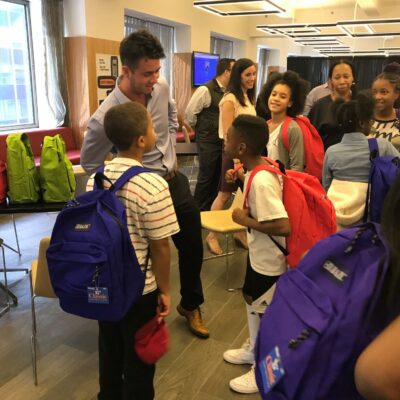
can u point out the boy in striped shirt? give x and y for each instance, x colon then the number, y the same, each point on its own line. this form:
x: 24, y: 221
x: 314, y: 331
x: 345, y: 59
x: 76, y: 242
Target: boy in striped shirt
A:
x: 151, y: 221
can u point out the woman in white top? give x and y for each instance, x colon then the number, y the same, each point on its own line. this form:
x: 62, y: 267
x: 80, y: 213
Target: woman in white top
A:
x: 238, y: 99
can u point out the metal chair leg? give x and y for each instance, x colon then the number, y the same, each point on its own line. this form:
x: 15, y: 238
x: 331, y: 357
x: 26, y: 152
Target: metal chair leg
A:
x: 33, y: 339
x: 32, y: 304
x: 16, y: 234
x: 33, y: 354
x: 5, y: 270
x: 229, y: 289
x: 5, y: 286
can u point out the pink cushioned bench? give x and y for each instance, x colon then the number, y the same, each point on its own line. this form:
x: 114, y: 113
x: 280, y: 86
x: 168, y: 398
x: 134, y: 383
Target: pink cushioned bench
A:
x: 36, y: 139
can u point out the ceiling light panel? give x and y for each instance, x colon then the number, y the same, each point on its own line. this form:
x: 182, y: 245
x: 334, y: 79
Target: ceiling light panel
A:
x: 229, y: 8
x: 329, y: 42
x: 356, y: 28
x: 335, y: 48
x: 328, y: 33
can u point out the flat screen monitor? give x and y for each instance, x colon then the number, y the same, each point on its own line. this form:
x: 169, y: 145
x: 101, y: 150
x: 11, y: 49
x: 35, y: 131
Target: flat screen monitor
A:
x: 204, y: 67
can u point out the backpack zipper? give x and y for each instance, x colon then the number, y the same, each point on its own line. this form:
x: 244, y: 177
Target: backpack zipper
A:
x: 305, y: 334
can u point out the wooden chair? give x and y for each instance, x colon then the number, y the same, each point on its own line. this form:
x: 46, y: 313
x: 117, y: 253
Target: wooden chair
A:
x: 220, y: 221
x: 40, y: 287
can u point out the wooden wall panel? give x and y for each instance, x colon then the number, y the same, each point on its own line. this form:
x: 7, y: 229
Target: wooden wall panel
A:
x: 82, y: 84
x: 95, y: 46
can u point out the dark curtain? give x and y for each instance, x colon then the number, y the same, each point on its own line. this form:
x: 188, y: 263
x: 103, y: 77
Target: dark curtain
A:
x: 56, y: 75
x: 316, y: 69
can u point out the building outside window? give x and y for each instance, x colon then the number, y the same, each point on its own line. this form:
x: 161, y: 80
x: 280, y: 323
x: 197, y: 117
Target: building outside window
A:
x: 17, y: 83
x: 222, y: 47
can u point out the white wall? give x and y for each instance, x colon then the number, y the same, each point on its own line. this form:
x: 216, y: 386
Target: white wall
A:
x: 74, y: 17
x: 105, y: 20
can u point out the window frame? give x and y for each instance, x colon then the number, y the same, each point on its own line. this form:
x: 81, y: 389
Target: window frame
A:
x: 31, y: 66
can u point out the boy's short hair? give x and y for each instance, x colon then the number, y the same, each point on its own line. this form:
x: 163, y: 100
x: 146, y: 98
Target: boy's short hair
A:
x: 253, y: 131
x: 124, y: 123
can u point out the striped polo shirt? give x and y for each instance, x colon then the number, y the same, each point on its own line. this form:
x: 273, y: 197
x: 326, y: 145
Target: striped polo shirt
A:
x: 149, y: 209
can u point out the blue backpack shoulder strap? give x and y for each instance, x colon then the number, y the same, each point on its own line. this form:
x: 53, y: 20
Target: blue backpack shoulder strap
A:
x: 373, y: 148
x: 99, y: 178
x: 128, y: 174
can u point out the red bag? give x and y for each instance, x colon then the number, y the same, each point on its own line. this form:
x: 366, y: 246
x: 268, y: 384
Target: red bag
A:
x: 3, y: 182
x: 313, y: 145
x: 311, y: 214
x: 151, y: 341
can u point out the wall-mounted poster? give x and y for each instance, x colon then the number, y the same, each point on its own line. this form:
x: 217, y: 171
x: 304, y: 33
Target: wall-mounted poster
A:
x: 108, y: 67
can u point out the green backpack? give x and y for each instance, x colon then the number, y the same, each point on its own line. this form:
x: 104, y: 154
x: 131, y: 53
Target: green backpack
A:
x: 57, y: 178
x: 22, y: 175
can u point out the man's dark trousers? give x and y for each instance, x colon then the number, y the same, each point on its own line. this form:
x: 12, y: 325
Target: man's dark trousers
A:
x: 210, y: 158
x: 188, y: 241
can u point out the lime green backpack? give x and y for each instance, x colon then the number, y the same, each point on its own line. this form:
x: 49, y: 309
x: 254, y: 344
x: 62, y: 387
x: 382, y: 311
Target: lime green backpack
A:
x: 22, y: 175
x: 57, y: 178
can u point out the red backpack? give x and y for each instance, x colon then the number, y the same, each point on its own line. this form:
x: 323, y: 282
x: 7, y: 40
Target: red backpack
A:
x: 311, y: 214
x: 3, y: 182
x: 313, y: 145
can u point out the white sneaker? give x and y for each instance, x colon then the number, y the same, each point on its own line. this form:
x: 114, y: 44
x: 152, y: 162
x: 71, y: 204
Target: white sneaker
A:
x: 245, y: 383
x: 244, y: 355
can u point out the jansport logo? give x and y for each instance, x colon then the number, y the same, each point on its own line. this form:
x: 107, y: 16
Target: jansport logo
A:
x: 82, y: 227
x: 335, y: 271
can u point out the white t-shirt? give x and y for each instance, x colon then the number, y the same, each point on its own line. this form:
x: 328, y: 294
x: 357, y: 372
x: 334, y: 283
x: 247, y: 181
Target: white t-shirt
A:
x: 265, y: 204
x: 272, y: 146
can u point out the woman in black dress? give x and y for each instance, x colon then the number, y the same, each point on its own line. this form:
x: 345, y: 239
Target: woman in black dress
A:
x: 341, y: 77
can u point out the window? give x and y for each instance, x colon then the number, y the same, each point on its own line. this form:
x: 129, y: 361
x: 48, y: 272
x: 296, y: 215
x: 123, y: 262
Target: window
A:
x: 222, y: 47
x: 17, y: 89
x: 164, y: 33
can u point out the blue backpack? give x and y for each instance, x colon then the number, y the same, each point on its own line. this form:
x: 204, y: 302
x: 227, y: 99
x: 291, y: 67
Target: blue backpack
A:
x: 317, y: 324
x: 383, y: 173
x: 92, y: 264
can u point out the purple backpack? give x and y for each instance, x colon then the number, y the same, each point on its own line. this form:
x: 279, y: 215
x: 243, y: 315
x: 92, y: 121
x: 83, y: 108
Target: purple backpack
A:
x: 383, y: 173
x: 93, y: 266
x: 317, y: 324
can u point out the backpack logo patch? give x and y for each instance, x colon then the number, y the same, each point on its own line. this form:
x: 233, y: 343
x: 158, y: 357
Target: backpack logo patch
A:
x: 335, y: 271
x: 82, y: 227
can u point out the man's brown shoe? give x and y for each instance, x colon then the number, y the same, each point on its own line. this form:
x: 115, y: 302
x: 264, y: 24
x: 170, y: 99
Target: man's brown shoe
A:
x: 195, y: 322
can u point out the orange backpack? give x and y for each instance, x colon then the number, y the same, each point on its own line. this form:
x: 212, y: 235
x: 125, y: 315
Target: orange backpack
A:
x: 313, y: 145
x: 311, y: 214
